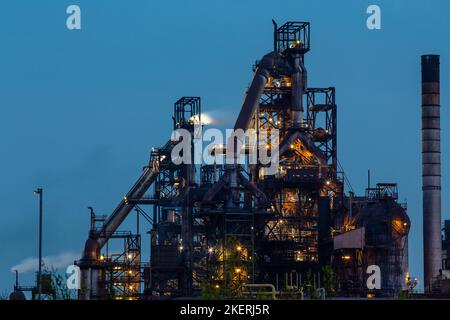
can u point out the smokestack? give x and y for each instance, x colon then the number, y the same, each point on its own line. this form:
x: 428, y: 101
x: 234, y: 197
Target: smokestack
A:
x: 431, y: 169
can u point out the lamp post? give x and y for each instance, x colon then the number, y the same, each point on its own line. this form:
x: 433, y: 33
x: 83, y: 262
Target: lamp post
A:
x: 40, y: 192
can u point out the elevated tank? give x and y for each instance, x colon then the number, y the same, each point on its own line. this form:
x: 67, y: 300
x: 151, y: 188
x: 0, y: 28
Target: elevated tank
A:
x: 386, y: 225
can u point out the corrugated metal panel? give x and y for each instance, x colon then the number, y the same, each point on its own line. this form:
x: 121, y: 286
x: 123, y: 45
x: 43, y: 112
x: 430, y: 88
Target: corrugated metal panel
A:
x: 354, y: 239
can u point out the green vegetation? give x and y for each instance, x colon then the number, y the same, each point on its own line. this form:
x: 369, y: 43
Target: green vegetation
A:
x: 227, y: 272
x: 54, y: 285
x: 309, y: 286
x: 329, y: 280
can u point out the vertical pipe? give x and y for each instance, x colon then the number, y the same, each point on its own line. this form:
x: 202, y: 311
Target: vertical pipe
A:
x: 275, y: 37
x: 350, y: 205
x: 39, y: 192
x: 92, y: 218
x: 137, y: 221
x: 40, y: 243
x: 298, y: 86
x: 431, y: 169
x: 186, y: 227
x: 276, y: 281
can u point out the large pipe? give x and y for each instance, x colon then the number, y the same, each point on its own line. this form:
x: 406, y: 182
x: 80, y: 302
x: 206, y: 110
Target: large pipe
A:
x: 431, y: 169
x: 124, y: 208
x: 271, y: 61
x: 91, y: 274
x: 298, y: 87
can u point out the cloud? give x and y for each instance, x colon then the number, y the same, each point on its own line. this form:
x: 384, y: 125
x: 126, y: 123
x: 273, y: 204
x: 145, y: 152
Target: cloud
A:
x: 61, y: 260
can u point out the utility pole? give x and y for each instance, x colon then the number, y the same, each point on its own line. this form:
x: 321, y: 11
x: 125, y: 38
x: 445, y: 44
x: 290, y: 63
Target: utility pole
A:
x: 40, y: 192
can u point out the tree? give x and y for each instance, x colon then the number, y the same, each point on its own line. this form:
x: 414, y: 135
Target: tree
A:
x: 228, y: 272
x: 56, y: 285
x: 309, y: 285
x: 329, y: 280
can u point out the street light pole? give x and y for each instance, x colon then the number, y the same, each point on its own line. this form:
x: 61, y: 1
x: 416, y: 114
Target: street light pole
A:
x: 40, y: 192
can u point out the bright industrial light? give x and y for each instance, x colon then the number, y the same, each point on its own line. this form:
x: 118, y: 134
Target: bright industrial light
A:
x: 210, y: 250
x: 239, y: 248
x: 102, y: 257
x: 237, y: 270
x: 181, y: 248
x: 130, y: 256
x: 205, y: 118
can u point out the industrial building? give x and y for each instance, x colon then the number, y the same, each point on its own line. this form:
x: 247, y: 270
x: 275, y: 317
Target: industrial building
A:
x: 233, y: 227
x: 222, y: 230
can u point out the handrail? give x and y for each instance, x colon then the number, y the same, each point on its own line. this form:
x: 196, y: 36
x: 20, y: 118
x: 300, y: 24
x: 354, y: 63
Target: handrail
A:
x: 273, y: 291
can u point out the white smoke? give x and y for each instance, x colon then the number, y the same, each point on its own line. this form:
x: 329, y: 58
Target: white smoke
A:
x: 219, y: 119
x: 61, y: 260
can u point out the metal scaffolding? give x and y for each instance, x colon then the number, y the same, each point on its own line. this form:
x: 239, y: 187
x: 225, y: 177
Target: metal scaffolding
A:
x: 215, y: 228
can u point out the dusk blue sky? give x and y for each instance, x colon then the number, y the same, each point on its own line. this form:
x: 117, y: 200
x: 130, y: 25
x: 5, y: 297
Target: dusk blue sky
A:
x: 80, y: 110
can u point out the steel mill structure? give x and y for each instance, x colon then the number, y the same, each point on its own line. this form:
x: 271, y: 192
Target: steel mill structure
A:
x: 235, y: 229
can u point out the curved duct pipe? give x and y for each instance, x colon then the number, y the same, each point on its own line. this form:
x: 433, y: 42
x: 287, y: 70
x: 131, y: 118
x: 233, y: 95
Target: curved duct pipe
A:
x: 270, y: 62
x: 138, y: 190
x: 90, y: 275
x: 91, y: 250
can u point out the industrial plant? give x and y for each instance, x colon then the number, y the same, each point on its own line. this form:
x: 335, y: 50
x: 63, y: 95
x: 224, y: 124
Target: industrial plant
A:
x: 234, y: 229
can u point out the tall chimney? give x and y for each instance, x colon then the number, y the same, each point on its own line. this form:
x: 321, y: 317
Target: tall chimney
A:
x: 431, y: 169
